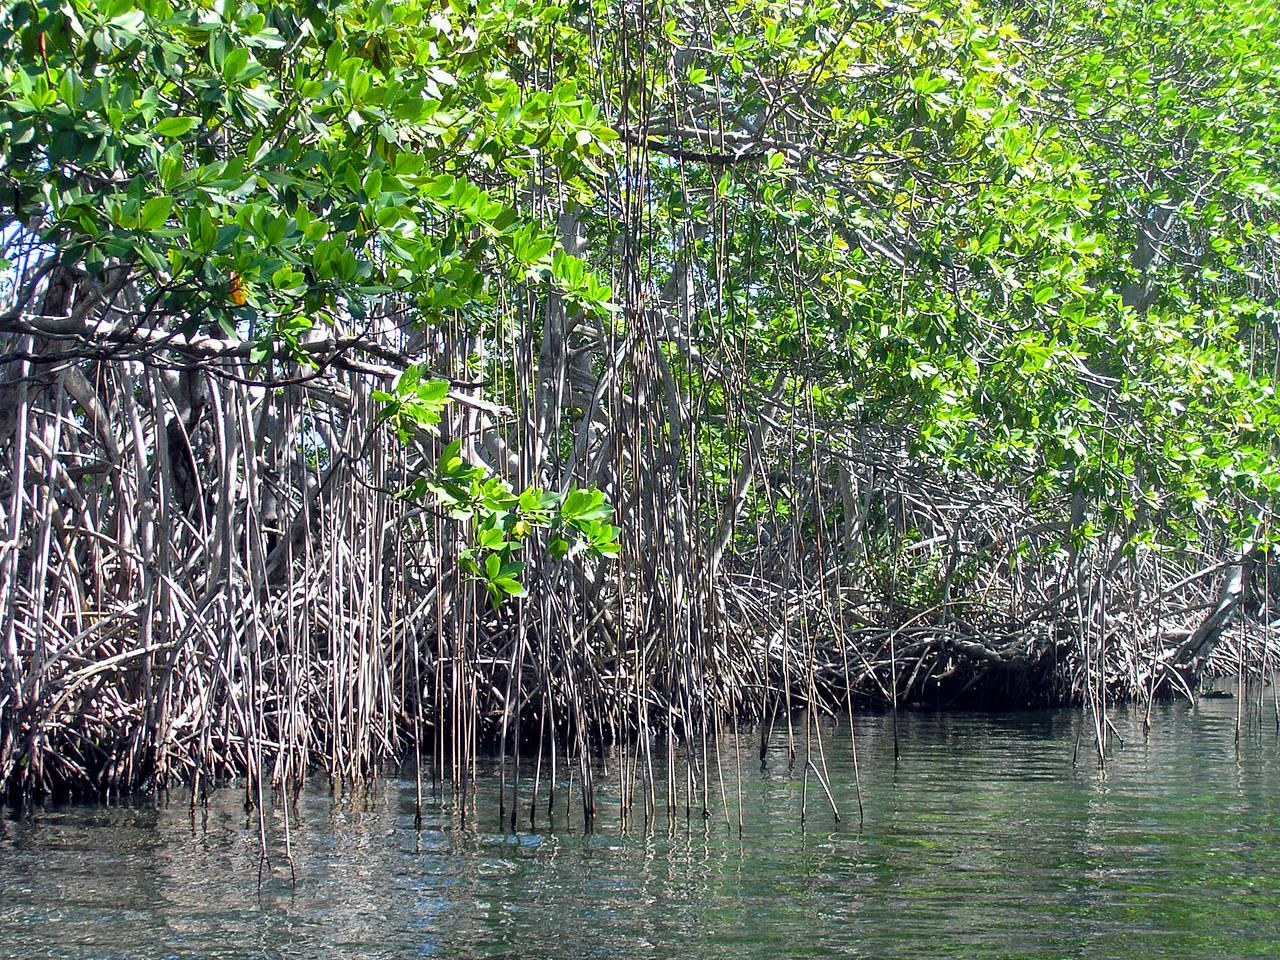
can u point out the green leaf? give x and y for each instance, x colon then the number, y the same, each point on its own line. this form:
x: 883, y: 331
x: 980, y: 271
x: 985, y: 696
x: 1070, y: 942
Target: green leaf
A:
x: 434, y: 391
x: 510, y: 586
x: 235, y: 63
x: 174, y: 127
x: 261, y: 97
x: 155, y: 212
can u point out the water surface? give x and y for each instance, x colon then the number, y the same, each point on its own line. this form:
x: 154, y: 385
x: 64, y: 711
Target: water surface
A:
x: 984, y: 840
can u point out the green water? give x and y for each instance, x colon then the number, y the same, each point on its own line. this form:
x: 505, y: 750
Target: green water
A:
x: 983, y: 841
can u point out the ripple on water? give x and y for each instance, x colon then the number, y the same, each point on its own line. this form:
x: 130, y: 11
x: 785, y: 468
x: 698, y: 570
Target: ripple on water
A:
x: 985, y: 840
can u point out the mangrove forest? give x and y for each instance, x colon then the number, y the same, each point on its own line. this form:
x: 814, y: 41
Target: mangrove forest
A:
x: 419, y: 382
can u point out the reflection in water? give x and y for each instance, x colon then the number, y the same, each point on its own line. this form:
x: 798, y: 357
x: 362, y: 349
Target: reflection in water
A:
x: 983, y: 841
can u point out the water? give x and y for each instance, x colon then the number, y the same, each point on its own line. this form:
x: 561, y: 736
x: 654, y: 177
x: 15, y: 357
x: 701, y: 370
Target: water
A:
x: 984, y: 841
